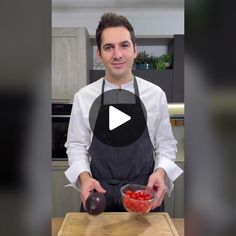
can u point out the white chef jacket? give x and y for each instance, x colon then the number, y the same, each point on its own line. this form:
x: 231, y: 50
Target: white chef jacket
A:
x: 79, y: 137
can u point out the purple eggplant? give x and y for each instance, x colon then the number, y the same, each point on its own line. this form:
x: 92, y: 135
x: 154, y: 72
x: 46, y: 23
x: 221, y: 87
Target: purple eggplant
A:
x: 95, y: 203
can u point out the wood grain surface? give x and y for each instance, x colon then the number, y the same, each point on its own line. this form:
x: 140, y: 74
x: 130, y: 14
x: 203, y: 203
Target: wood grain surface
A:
x: 117, y: 224
x: 57, y: 222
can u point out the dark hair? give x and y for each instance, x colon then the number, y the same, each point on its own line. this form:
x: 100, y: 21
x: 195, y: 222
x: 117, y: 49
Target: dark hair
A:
x: 113, y: 20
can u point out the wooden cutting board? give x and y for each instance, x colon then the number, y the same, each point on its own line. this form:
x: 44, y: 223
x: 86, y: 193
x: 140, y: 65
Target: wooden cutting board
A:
x: 117, y: 223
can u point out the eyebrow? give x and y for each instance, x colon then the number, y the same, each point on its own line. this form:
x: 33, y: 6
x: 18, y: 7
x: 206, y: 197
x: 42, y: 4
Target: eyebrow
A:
x: 110, y: 44
x: 126, y: 41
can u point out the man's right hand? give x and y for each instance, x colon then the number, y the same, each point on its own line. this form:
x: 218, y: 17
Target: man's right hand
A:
x: 88, y: 185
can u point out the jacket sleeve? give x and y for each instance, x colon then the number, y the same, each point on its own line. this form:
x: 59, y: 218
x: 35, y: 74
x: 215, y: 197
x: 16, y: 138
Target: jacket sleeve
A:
x: 78, y: 141
x: 165, y: 146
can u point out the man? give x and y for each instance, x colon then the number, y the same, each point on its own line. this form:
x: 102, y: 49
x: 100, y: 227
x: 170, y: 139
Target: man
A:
x: 95, y: 166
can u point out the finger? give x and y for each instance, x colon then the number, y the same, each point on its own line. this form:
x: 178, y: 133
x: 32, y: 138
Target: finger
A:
x: 84, y: 205
x: 158, y: 202
x: 84, y: 196
x: 151, y: 183
x: 99, y: 188
x: 160, y: 195
x: 82, y: 200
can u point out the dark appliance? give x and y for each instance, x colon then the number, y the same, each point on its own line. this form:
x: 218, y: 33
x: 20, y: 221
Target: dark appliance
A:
x: 60, y: 121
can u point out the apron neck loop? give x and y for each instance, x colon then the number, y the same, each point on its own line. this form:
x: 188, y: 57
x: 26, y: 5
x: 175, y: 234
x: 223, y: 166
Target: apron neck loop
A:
x: 136, y: 90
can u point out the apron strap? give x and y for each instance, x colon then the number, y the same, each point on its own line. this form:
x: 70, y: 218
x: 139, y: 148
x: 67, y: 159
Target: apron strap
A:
x: 136, y: 91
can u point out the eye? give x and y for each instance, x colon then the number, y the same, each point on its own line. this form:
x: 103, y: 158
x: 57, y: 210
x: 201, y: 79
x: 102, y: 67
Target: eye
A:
x: 108, y: 48
x: 125, y: 45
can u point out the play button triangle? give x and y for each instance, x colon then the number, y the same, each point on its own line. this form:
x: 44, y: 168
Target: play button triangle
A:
x: 117, y: 118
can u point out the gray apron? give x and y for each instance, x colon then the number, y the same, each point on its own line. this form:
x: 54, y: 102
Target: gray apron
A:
x: 113, y: 166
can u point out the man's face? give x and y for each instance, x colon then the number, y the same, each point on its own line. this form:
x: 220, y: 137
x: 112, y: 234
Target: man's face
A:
x: 117, y: 52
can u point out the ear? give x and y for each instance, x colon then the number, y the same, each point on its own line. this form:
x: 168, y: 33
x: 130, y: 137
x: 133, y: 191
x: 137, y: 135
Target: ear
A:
x: 135, y: 50
x: 99, y: 56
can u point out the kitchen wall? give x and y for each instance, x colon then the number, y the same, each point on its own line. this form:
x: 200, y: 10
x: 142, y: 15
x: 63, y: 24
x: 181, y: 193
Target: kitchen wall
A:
x: 155, y: 19
x: 148, y: 18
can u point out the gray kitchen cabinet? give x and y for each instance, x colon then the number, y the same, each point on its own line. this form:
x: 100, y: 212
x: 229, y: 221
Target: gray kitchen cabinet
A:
x: 177, y: 49
x: 170, y: 80
x: 161, y: 78
x: 179, y: 194
x: 170, y: 204
x: 175, y: 204
x: 63, y: 199
x: 71, y: 61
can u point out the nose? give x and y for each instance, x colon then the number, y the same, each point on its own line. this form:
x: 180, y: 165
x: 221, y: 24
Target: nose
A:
x: 117, y: 54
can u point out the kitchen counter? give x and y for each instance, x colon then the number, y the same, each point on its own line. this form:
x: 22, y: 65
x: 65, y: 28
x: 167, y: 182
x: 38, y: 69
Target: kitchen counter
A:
x: 178, y: 222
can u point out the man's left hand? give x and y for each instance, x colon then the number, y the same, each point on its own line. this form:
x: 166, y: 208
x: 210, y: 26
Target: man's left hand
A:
x: 157, y: 183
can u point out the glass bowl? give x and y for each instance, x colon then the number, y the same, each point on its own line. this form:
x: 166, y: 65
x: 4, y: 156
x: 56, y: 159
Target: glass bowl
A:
x: 137, y: 198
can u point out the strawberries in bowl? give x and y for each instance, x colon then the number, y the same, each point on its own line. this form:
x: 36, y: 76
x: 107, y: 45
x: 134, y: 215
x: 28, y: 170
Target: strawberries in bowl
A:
x: 137, y: 198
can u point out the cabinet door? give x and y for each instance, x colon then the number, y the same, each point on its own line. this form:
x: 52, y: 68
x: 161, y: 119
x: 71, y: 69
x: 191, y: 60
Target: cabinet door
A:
x: 174, y: 204
x: 70, y: 61
x: 63, y: 199
x: 179, y: 194
x: 170, y: 204
x: 178, y: 72
x: 64, y: 69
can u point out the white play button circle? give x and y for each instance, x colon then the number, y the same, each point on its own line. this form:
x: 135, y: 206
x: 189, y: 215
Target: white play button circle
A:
x: 117, y: 118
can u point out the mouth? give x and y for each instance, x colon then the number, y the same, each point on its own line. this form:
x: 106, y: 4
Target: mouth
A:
x: 118, y: 64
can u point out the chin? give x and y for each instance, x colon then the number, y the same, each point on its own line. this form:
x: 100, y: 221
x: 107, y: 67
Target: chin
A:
x: 119, y: 74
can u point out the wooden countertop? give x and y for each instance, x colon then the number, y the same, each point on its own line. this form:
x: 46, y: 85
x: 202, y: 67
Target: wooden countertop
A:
x: 178, y: 222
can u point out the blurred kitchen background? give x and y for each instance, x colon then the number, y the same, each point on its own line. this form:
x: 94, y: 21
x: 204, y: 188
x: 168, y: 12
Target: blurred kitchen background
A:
x: 159, y: 28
